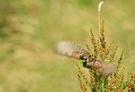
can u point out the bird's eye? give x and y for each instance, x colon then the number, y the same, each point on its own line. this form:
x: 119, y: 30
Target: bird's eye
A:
x: 84, y: 64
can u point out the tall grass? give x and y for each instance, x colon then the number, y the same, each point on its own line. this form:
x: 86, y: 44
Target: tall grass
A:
x: 29, y: 29
x: 116, y: 82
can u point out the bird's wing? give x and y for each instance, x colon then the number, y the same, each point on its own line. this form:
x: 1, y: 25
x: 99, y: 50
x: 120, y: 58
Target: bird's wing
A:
x: 72, y: 50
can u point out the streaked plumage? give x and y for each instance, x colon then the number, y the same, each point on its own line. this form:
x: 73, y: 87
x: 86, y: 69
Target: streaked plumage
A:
x: 73, y: 50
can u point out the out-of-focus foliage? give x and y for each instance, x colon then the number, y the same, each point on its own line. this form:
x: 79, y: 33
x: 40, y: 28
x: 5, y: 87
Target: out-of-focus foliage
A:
x: 29, y: 29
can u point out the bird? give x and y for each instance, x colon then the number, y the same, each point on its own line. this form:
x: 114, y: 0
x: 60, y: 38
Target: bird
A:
x: 71, y: 49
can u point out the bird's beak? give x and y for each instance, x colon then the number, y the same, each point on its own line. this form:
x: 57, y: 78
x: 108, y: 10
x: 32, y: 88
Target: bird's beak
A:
x: 93, y: 64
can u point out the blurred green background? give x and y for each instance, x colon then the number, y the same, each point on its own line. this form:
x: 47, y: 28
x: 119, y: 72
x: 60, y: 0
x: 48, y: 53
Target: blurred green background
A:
x: 29, y: 30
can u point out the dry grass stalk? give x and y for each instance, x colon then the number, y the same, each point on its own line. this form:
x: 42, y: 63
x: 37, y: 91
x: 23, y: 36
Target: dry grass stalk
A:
x: 113, y: 83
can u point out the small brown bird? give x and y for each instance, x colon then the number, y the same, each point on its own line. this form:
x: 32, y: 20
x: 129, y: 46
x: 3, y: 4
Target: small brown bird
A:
x: 73, y: 50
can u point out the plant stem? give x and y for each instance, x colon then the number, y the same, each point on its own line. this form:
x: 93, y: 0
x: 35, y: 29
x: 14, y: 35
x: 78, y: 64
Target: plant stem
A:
x: 99, y: 8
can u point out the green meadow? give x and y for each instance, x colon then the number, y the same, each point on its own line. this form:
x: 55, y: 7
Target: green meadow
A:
x: 30, y: 29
